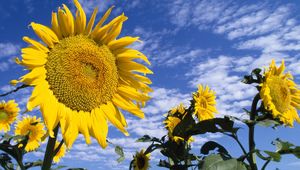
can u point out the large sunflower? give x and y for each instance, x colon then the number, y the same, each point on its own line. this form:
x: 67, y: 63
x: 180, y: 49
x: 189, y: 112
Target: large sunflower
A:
x: 205, y: 103
x: 8, y: 114
x: 34, y: 128
x: 280, y: 94
x: 141, y: 161
x: 82, y: 75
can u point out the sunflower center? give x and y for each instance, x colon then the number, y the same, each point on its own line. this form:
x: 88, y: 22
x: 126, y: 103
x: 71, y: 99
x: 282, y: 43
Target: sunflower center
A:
x: 3, y: 115
x: 280, y: 93
x: 82, y: 74
x: 203, y: 103
x: 141, y: 162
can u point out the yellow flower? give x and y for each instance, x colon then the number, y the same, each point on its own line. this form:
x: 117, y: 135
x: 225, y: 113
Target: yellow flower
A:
x: 82, y: 75
x: 178, y: 109
x: 60, y: 153
x: 171, y: 122
x: 205, y: 103
x: 280, y: 95
x: 8, y: 114
x: 33, y: 127
x: 141, y: 161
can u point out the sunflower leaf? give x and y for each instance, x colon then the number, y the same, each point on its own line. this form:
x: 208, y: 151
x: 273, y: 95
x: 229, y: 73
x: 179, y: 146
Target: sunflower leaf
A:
x: 120, y: 152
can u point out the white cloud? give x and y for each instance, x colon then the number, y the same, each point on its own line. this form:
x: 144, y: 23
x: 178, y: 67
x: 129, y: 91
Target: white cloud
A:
x: 8, y: 49
x: 89, y: 6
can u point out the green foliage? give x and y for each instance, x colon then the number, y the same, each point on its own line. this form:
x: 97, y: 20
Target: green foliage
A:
x: 120, y: 152
x: 217, y: 162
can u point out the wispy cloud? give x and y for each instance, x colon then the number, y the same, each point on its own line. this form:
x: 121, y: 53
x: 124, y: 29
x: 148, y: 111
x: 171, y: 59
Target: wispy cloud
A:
x: 8, y: 49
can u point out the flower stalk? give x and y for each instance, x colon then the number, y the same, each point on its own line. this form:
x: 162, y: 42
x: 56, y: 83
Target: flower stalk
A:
x: 251, y: 125
x: 49, y: 154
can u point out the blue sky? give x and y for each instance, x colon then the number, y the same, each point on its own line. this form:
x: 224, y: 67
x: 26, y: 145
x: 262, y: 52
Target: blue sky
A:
x: 188, y: 42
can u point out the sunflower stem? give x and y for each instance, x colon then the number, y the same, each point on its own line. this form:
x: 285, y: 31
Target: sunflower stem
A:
x: 252, y: 159
x: 49, y: 154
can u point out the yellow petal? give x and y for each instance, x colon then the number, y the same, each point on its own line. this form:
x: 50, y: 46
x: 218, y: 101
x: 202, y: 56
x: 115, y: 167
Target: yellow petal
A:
x: 99, y: 126
x: 35, y: 76
x: 36, y: 44
x: 109, y: 111
x: 102, y: 20
x: 45, y: 34
x: 91, y: 22
x: 127, y: 105
x: 130, y: 54
x: 80, y: 21
x: 55, y: 26
x: 84, y: 119
x: 122, y: 42
x: 132, y: 93
x: 133, y: 66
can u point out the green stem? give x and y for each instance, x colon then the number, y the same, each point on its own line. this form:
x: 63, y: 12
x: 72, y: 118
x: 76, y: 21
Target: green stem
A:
x: 49, y: 154
x: 252, y: 159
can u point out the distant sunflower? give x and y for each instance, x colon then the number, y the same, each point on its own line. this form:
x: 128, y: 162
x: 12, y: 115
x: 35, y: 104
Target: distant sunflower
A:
x: 141, y: 161
x: 170, y: 123
x: 280, y: 94
x: 8, y: 114
x: 33, y: 127
x: 178, y: 109
x: 83, y: 75
x: 205, y: 103
x: 60, y: 153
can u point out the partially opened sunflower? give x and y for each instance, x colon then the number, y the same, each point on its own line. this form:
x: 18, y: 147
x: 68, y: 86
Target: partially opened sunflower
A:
x: 205, y: 103
x: 8, y: 114
x: 82, y: 75
x: 280, y: 94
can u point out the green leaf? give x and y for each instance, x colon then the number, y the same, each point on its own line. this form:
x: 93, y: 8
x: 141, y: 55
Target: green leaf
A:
x: 296, y: 152
x: 268, y: 123
x: 183, y: 126
x: 216, y: 162
x: 256, y: 71
x: 119, y: 151
x: 211, y: 145
x: 145, y: 138
x: 212, y: 126
x: 274, y: 155
x: 282, y: 145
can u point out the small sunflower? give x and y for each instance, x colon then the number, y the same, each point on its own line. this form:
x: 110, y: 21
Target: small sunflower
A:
x: 33, y: 127
x: 280, y: 95
x: 8, y: 114
x: 178, y: 109
x: 141, y: 161
x: 83, y: 75
x: 60, y: 153
x: 170, y: 123
x: 205, y: 103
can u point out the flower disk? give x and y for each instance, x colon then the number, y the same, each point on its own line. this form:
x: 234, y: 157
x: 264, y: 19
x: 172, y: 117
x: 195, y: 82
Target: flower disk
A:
x: 83, y: 75
x: 34, y: 128
x: 8, y: 114
x: 280, y: 94
x: 141, y: 161
x: 205, y: 103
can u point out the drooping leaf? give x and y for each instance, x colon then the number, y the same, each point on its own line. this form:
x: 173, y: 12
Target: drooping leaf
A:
x: 212, y: 126
x: 145, y: 138
x: 211, y: 145
x: 274, y: 155
x: 216, y: 162
x: 120, y: 152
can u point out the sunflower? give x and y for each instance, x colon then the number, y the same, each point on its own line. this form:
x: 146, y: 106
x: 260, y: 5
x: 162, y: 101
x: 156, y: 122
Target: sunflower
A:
x: 8, y: 114
x: 33, y: 127
x: 178, y: 109
x: 280, y: 95
x: 205, y: 103
x: 60, y: 153
x: 141, y: 161
x: 82, y: 75
x: 170, y: 123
